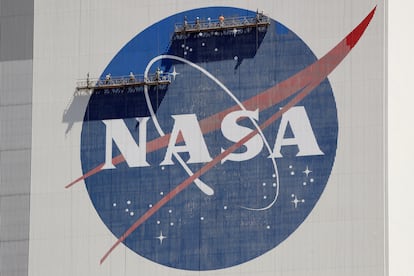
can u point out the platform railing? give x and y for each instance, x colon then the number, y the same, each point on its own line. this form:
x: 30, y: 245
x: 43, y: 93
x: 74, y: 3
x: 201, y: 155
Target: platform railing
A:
x: 123, y: 81
x: 222, y: 23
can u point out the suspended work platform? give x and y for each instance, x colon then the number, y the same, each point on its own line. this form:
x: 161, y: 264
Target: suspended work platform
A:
x: 221, y: 24
x: 120, y: 82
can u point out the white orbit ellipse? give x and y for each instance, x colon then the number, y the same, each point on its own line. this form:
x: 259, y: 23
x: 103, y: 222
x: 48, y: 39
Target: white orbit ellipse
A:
x: 200, y: 184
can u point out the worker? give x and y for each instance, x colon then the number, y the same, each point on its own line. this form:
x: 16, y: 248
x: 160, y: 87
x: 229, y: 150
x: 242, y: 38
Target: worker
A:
x: 107, y: 78
x: 259, y: 16
x: 197, y: 22
x: 131, y: 77
x: 157, y: 74
x: 87, y: 80
x: 221, y: 20
x: 185, y: 22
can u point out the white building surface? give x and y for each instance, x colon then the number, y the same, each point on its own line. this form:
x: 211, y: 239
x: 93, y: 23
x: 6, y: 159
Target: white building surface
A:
x: 201, y: 138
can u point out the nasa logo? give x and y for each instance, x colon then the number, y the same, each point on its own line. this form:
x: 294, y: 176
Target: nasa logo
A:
x: 224, y: 150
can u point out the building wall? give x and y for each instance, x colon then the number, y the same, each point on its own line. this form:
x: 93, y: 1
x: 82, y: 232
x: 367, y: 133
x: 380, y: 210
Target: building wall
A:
x: 345, y: 234
x: 400, y: 135
x: 16, y: 53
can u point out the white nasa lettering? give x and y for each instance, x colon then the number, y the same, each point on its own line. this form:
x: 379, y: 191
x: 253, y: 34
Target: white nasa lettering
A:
x: 194, y: 144
x: 234, y: 132
x: 117, y: 131
x: 304, y: 137
x: 193, y: 138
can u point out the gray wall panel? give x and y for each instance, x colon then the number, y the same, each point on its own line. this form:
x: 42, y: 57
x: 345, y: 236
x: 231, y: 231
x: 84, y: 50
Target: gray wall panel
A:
x: 16, y: 37
x: 15, y: 168
x: 16, y: 47
x: 16, y: 82
x: 15, y: 172
x: 13, y: 258
x: 13, y: 7
x: 15, y: 218
x: 15, y: 127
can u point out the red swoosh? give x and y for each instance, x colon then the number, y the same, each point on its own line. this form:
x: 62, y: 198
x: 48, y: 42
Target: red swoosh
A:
x: 267, y: 98
x: 305, y: 81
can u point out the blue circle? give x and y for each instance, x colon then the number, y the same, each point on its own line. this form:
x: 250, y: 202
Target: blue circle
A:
x: 193, y: 230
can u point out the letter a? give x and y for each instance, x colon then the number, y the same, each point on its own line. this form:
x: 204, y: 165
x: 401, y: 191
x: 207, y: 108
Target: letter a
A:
x: 195, y: 145
x: 304, y: 137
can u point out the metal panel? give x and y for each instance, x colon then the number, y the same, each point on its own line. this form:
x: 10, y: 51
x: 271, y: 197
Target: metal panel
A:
x: 16, y: 82
x: 16, y: 47
x: 14, y: 223
x: 16, y: 37
x: 11, y: 8
x: 15, y: 127
x: 14, y: 258
x: 15, y: 172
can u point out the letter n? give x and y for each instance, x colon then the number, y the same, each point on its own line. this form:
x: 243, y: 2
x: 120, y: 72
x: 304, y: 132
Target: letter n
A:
x: 134, y: 154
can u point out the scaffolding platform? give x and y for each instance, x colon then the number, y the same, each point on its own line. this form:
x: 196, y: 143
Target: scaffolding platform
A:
x: 88, y: 85
x: 221, y: 24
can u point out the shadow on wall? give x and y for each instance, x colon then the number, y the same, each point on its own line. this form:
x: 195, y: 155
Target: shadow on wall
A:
x: 99, y: 103
x: 103, y: 104
x: 216, y: 45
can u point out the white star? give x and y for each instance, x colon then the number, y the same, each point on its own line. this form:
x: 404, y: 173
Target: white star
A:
x: 174, y: 73
x: 234, y: 31
x: 161, y: 237
x: 296, y: 201
x: 307, y: 171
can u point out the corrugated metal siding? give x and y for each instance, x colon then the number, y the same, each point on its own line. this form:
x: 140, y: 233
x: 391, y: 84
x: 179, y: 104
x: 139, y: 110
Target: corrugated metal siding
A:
x: 16, y: 51
x: 16, y: 29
